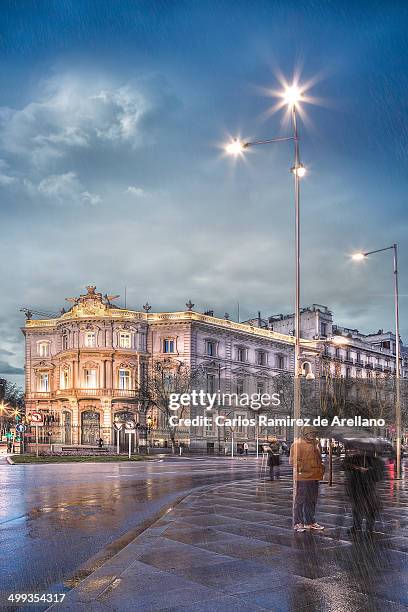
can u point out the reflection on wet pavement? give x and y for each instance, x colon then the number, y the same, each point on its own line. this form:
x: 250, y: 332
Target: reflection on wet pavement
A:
x: 55, y: 517
x: 233, y: 548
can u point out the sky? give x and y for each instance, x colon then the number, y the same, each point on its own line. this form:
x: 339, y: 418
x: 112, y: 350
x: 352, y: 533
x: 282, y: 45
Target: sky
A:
x: 113, y: 117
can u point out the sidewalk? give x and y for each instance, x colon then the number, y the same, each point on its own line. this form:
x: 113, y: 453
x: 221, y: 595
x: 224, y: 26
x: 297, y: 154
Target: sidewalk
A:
x: 232, y: 548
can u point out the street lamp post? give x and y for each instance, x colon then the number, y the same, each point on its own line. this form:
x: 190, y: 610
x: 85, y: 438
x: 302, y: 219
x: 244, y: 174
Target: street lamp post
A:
x: 292, y: 96
x: 359, y: 257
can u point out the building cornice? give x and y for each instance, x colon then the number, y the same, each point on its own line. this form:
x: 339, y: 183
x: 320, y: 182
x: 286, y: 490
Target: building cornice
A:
x: 168, y: 317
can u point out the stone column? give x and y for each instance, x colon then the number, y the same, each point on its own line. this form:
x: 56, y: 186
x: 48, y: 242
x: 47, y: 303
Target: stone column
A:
x: 76, y: 430
x: 107, y: 422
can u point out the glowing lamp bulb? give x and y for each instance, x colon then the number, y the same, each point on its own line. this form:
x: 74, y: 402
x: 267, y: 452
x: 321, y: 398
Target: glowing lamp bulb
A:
x: 292, y: 95
x: 235, y: 147
x: 358, y: 256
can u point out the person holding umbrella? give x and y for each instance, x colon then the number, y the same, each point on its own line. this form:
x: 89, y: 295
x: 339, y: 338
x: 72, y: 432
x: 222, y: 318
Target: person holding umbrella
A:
x: 363, y: 470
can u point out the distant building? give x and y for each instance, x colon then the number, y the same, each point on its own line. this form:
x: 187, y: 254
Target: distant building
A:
x: 351, y: 353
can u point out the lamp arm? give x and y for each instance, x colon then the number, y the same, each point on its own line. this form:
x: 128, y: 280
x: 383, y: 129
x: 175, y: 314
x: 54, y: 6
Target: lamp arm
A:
x: 261, y: 142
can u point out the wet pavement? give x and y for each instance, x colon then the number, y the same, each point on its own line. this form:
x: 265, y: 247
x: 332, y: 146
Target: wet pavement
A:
x: 55, y: 517
x: 232, y: 548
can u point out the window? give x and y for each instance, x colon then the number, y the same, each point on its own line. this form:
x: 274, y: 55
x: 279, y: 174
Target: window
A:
x: 211, y: 348
x: 168, y: 345
x: 280, y: 362
x: 90, y: 339
x: 358, y: 373
x: 358, y: 358
x: 240, y: 386
x: 261, y: 358
x: 241, y: 354
x: 64, y: 383
x: 124, y: 379
x: 209, y: 428
x: 64, y: 342
x: 348, y: 372
x: 125, y: 340
x: 43, y: 349
x: 44, y: 382
x: 337, y: 353
x: 323, y: 329
x: 90, y: 378
x: 260, y: 387
x: 211, y: 383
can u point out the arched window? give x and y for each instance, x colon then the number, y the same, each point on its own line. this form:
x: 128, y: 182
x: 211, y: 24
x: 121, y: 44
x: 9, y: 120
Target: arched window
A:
x: 43, y: 349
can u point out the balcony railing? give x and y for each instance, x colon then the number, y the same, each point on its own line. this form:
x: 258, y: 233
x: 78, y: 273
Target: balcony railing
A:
x: 39, y: 395
x: 128, y: 393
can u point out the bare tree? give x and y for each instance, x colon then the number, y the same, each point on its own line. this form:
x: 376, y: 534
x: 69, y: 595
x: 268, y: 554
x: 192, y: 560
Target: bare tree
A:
x: 165, y: 378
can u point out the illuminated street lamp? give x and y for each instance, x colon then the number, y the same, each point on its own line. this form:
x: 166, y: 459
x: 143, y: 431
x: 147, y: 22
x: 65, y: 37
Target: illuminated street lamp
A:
x: 291, y: 97
x: 360, y: 257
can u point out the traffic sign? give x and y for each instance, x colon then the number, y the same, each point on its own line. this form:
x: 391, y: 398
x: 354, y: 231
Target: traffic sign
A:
x: 130, y: 425
x: 118, y: 425
x: 36, y: 418
x: 20, y: 428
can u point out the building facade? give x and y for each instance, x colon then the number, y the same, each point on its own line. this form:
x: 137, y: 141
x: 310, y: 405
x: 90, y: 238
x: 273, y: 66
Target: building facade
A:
x: 84, y: 369
x: 346, y: 352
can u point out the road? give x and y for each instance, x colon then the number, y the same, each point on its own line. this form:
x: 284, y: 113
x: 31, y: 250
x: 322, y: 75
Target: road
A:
x: 53, y: 518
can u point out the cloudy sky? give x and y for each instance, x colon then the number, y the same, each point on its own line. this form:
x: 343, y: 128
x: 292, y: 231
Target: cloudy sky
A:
x: 112, y: 118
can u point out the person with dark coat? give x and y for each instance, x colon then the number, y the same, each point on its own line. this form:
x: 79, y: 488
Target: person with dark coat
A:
x: 274, y: 458
x: 363, y: 471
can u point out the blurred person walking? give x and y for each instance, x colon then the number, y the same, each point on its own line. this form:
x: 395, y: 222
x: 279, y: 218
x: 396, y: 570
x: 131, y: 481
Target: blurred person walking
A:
x: 363, y: 470
x: 274, y: 458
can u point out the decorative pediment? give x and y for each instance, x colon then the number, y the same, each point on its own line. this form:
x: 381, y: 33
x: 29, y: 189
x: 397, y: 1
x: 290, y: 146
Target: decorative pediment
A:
x: 43, y: 365
x: 241, y: 372
x: 90, y: 364
x: 261, y: 374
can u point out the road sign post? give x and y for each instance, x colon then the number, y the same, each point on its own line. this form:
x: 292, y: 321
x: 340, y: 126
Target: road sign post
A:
x: 118, y: 427
x: 130, y: 428
x: 37, y: 421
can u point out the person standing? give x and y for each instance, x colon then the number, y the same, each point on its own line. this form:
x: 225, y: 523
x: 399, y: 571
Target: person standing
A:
x: 246, y: 448
x: 308, y: 470
x: 274, y: 458
x: 363, y: 471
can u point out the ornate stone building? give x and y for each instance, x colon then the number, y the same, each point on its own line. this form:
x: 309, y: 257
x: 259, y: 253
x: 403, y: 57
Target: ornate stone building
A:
x: 84, y: 368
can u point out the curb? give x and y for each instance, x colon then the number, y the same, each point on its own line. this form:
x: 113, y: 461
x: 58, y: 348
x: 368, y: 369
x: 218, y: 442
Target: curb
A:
x: 9, y: 460
x: 109, y: 552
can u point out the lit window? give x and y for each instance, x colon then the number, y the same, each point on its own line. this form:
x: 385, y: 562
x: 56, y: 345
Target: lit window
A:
x: 211, y: 348
x: 124, y: 340
x: 43, y: 349
x: 90, y: 378
x: 168, y: 345
x: 64, y: 379
x: 44, y: 382
x: 124, y: 379
x: 90, y: 339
